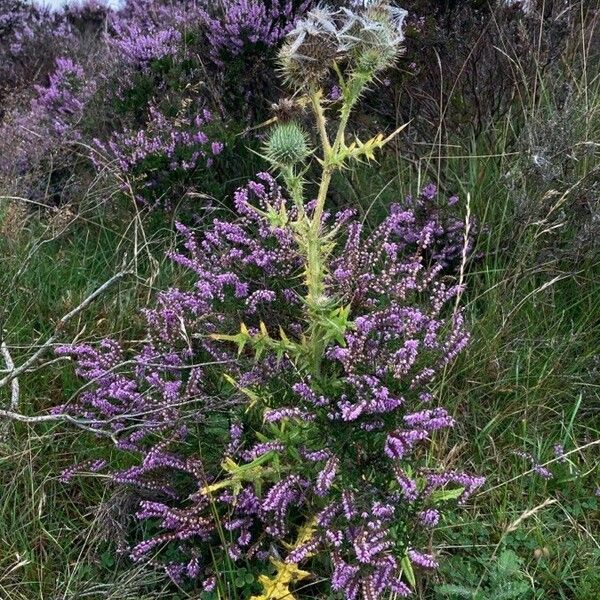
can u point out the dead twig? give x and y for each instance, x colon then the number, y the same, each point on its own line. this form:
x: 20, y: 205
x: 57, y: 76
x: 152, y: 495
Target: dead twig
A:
x: 15, y: 372
x: 14, y: 396
x: 87, y: 425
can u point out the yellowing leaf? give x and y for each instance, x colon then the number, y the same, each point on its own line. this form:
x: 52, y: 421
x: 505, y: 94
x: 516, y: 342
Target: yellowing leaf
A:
x: 254, y: 398
x: 305, y: 534
x: 253, y: 472
x: 241, y: 339
x: 277, y: 587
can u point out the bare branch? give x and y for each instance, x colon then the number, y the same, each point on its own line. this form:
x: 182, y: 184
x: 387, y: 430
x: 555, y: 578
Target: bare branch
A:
x: 14, y: 397
x: 61, y: 323
x: 15, y: 416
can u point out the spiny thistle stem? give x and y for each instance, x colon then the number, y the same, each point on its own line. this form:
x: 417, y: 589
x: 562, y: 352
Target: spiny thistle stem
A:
x: 315, y: 267
x: 368, y: 42
x: 315, y: 98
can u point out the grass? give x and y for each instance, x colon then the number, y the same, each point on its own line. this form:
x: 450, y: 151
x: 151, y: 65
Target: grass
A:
x: 529, y: 380
x: 48, y: 531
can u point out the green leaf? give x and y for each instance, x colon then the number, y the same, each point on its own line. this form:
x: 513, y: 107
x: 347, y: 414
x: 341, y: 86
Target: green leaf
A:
x: 107, y: 559
x: 407, y: 570
x: 445, y: 495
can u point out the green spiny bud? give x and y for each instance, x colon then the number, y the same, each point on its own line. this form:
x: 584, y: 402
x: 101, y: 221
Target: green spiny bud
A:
x: 287, y: 144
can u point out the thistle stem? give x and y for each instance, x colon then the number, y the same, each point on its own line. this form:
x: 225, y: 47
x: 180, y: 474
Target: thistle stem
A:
x: 315, y: 98
x: 313, y: 238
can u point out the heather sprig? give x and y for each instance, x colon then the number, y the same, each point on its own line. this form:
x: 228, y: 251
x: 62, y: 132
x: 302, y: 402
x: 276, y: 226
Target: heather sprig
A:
x: 165, y: 154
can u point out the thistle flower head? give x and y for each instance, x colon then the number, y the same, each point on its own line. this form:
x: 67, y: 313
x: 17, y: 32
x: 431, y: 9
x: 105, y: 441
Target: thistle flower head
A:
x: 374, y: 36
x: 311, y: 47
x: 370, y: 36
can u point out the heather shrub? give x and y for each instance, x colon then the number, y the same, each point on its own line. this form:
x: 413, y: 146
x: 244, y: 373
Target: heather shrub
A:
x: 281, y: 415
x: 38, y: 151
x: 149, y: 68
x: 31, y: 38
x: 167, y: 156
x: 241, y: 37
x: 47, y: 63
x: 171, y: 55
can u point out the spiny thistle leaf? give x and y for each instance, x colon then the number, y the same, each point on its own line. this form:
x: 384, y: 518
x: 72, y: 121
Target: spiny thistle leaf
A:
x: 253, y: 472
x: 277, y: 587
x: 305, y: 534
x: 260, y: 342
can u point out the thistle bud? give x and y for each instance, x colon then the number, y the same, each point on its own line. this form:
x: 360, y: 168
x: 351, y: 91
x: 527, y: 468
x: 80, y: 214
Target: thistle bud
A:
x: 287, y: 144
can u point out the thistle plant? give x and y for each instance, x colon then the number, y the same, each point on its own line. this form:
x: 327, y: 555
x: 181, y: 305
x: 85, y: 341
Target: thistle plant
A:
x: 355, y: 45
x: 283, y: 408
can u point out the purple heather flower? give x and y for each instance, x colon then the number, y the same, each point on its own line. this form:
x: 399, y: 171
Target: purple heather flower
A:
x: 180, y: 143
x: 326, y: 477
x: 236, y: 25
x: 429, y: 192
x: 193, y: 568
x: 262, y: 448
x: 209, y: 584
x: 400, y: 443
x: 407, y: 485
x: 429, y: 517
x: 142, y: 44
x: 538, y: 469
x: 430, y: 420
x: 302, y: 552
x: 279, y: 414
x: 559, y: 452
x: 335, y: 93
x: 422, y: 560
x: 326, y: 515
x: 315, y: 455
x: 277, y: 501
x: 470, y: 483
x: 90, y: 466
x: 400, y: 588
